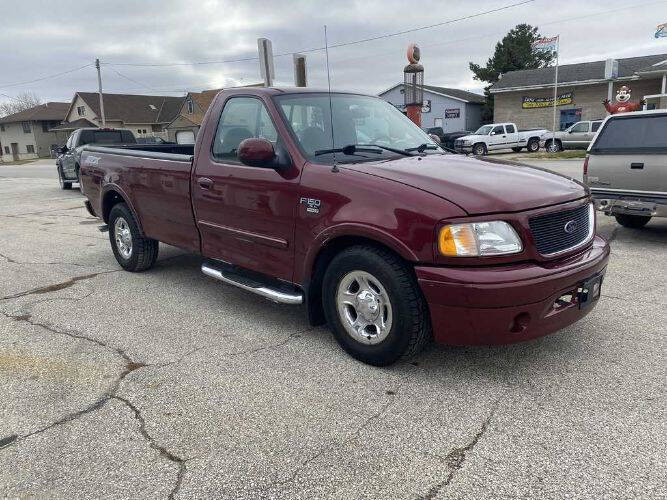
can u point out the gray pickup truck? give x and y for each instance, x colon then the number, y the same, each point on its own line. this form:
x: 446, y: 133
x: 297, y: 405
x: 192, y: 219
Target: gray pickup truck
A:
x: 626, y: 167
x: 69, y: 160
x: 577, y: 136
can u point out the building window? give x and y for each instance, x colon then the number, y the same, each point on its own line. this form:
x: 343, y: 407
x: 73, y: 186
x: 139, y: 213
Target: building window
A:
x: 45, y: 126
x: 156, y: 128
x: 81, y: 110
x: 30, y: 148
x: 26, y: 127
x: 6, y: 150
x: 2, y: 128
x: 191, y: 107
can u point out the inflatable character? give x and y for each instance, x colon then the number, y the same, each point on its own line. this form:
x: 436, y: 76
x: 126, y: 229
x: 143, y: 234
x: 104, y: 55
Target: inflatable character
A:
x: 623, y: 105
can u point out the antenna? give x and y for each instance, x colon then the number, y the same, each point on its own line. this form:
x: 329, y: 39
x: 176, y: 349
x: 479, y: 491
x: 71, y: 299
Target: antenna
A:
x: 326, y: 48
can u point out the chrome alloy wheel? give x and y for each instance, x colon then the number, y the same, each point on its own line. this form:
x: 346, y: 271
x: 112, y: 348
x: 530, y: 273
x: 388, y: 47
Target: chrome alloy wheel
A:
x: 364, y: 307
x: 123, y: 235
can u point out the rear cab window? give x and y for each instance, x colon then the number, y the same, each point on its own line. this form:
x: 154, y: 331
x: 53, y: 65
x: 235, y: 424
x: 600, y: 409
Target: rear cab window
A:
x: 106, y: 137
x: 242, y: 118
x: 595, y: 126
x: 510, y: 129
x: 647, y: 133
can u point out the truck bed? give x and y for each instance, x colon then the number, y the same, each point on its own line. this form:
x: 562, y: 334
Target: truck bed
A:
x: 163, y: 151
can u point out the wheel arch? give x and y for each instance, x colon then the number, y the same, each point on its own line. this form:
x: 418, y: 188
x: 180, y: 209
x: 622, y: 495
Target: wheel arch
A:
x: 320, y: 258
x: 112, y: 196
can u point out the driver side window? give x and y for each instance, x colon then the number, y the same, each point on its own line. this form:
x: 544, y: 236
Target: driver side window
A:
x: 580, y: 127
x: 241, y: 118
x: 497, y: 130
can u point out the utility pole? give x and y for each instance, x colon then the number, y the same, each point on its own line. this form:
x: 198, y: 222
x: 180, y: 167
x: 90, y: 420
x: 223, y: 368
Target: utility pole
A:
x: 265, y: 49
x: 99, y: 86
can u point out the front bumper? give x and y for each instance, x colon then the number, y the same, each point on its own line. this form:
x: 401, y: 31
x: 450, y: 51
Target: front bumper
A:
x: 462, y: 149
x: 630, y: 204
x: 509, y: 303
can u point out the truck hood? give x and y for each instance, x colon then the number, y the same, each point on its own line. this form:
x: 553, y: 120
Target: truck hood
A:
x: 473, y: 137
x: 478, y: 186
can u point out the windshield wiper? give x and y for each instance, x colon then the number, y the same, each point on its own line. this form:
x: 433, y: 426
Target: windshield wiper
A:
x: 422, y: 147
x: 403, y: 152
x: 350, y: 149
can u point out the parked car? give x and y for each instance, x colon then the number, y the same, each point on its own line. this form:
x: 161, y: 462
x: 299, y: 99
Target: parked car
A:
x: 499, y: 136
x: 389, y: 242
x: 576, y: 136
x: 68, y: 162
x: 626, y: 167
x: 447, y: 138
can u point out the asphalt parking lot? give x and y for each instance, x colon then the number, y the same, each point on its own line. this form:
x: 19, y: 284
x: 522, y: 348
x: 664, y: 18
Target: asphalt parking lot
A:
x: 169, y: 384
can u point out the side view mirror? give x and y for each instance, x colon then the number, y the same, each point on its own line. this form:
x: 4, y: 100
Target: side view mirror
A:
x: 62, y: 150
x: 256, y: 152
x: 569, y: 131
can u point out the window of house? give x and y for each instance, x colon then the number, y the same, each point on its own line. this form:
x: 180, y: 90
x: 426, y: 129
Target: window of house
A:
x: 2, y: 128
x: 81, y: 110
x: 156, y: 128
x: 242, y: 118
x: 191, y: 107
x: 30, y: 148
x: 26, y: 127
x: 45, y: 126
x: 6, y: 150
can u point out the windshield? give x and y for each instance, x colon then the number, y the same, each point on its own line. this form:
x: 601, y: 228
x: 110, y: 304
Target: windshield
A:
x: 484, y: 130
x: 357, y: 120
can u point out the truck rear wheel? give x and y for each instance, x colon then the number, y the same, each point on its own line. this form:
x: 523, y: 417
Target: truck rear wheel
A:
x: 633, y: 221
x: 132, y: 251
x: 374, y: 306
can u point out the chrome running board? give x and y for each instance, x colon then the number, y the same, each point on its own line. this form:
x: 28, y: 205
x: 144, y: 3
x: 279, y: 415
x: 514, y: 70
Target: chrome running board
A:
x: 245, y: 283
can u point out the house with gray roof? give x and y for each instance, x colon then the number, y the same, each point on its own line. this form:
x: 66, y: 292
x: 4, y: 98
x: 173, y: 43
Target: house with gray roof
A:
x: 452, y: 109
x: 144, y: 115
x: 31, y: 133
x: 526, y: 97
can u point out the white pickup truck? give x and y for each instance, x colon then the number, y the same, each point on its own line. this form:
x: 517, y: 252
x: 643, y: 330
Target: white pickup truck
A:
x: 499, y: 136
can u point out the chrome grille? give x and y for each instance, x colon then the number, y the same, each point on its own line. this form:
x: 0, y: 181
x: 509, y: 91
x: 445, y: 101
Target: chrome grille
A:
x: 562, y: 231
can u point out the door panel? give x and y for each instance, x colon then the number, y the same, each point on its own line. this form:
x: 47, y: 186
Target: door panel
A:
x: 245, y: 214
x: 497, y: 138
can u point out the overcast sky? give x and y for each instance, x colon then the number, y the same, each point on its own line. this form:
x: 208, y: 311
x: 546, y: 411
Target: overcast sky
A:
x: 41, y: 38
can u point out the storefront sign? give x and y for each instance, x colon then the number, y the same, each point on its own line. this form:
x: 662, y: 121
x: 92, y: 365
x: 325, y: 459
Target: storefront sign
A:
x: 545, y: 102
x: 453, y: 113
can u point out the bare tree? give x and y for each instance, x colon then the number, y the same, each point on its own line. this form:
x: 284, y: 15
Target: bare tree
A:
x: 20, y: 102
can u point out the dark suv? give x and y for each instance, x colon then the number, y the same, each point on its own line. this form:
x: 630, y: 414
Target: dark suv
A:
x: 68, y: 163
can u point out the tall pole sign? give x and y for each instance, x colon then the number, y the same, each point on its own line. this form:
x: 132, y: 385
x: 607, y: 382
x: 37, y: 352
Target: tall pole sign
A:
x: 266, y: 68
x: 551, y: 45
x: 413, y: 85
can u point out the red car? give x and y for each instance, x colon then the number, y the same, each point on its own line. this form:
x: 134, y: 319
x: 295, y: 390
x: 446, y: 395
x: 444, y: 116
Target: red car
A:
x: 340, y: 202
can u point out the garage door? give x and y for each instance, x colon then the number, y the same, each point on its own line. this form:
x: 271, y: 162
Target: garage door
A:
x: 185, y: 137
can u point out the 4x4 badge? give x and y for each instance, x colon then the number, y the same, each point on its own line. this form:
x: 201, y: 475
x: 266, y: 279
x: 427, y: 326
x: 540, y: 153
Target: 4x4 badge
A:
x: 312, y: 205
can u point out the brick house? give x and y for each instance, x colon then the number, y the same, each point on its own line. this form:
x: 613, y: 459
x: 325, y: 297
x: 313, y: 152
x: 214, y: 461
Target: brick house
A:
x: 526, y: 97
x: 30, y: 133
x: 144, y: 115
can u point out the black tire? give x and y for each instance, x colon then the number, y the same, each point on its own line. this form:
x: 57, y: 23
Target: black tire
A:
x: 61, y: 180
x: 632, y: 221
x: 533, y: 145
x: 78, y: 174
x: 410, y: 327
x: 143, y: 252
x: 558, y: 147
x: 479, y: 149
x: 516, y: 150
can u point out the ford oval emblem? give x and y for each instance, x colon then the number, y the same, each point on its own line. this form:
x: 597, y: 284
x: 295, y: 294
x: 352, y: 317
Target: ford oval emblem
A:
x: 570, y: 227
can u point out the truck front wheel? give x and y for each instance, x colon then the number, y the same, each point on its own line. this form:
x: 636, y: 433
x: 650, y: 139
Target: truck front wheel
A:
x: 132, y: 251
x: 533, y: 145
x: 61, y: 180
x: 479, y: 149
x: 374, y: 306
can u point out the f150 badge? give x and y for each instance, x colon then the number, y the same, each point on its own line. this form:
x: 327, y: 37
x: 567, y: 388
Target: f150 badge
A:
x: 312, y: 205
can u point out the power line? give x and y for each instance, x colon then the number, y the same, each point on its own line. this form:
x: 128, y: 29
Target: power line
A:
x: 45, y: 77
x: 342, y: 44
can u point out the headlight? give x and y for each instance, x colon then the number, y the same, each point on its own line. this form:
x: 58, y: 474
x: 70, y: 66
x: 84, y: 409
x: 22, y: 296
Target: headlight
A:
x: 476, y: 239
x: 467, y: 143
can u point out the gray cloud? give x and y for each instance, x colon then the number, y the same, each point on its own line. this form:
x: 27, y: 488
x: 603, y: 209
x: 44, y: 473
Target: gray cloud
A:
x: 45, y: 37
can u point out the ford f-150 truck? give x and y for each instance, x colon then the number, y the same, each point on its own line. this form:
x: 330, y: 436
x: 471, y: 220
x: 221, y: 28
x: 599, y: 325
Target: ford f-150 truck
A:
x: 499, y: 136
x: 340, y: 202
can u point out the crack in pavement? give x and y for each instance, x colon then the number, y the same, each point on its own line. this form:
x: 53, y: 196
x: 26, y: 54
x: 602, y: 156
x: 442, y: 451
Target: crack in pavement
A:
x: 57, y: 286
x: 23, y: 263
x: 164, y: 452
x: 457, y: 456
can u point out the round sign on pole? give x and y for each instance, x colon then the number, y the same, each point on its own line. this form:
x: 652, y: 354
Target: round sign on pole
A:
x: 413, y: 53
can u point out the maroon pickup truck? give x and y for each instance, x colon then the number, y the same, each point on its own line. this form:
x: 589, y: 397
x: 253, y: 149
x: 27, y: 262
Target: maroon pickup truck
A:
x: 340, y: 202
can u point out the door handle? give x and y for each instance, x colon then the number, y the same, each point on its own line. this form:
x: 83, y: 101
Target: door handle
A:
x: 205, y: 183
x: 636, y: 165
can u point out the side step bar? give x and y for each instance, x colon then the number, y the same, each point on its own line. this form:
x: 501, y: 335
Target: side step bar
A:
x: 233, y: 278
